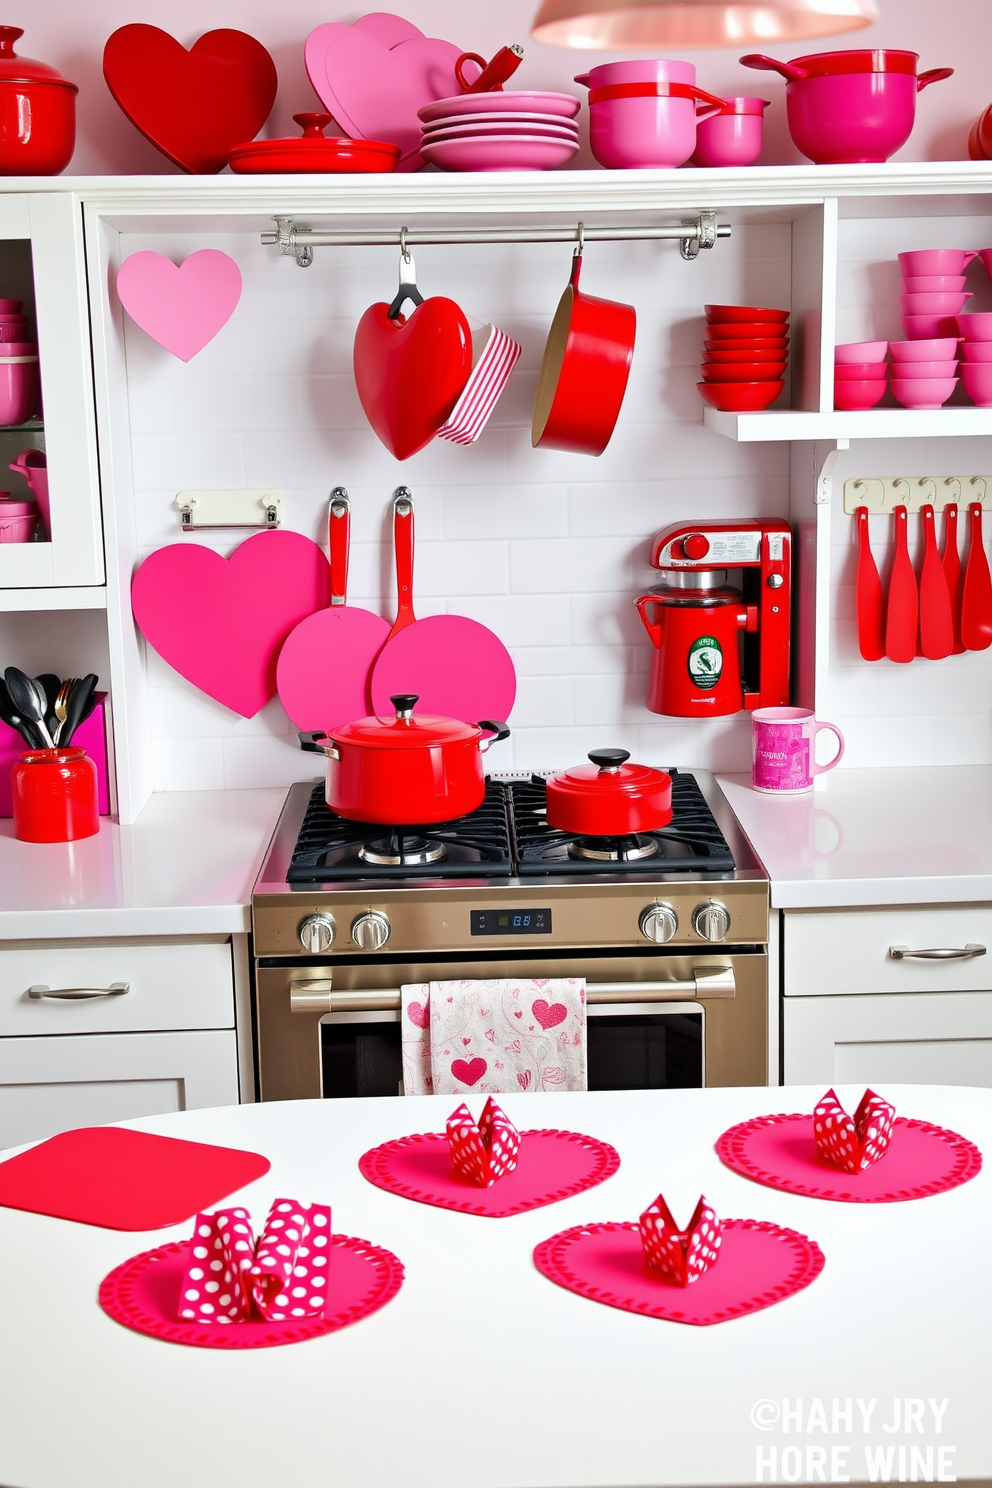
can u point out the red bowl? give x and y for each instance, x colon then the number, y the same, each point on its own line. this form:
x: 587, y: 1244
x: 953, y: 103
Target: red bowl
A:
x: 748, y: 353
x: 730, y: 314
x: 735, y: 330
x: 778, y: 344
x: 739, y: 397
x: 743, y: 371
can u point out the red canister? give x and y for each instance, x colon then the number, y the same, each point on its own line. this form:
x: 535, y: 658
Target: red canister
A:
x: 37, y: 113
x: 55, y: 796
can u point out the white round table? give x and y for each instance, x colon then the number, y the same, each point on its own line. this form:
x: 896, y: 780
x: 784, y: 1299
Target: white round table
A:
x: 483, y: 1374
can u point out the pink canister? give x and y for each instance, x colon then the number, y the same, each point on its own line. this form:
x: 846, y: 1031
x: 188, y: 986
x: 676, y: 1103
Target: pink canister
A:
x: 18, y: 519
x: 782, y: 754
x: 734, y: 136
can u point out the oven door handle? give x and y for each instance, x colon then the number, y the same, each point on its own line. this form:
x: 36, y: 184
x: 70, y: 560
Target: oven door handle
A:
x: 317, y: 994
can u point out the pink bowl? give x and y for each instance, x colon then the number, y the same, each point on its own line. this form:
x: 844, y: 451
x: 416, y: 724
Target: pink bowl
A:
x: 851, y: 396
x: 851, y: 117
x: 927, y: 327
x: 924, y: 351
x: 561, y: 105
x: 975, y: 327
x: 936, y: 261
x: 923, y: 392
x: 19, y: 391
x: 977, y: 351
x: 860, y: 371
x: 860, y: 351
x: 520, y: 152
x: 730, y: 139
x: 911, y: 371
x: 934, y: 284
x: 743, y: 371
x: 977, y: 382
x: 933, y: 304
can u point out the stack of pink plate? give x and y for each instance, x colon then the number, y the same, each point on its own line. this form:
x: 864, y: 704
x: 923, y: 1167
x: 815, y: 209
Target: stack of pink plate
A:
x: 500, y: 131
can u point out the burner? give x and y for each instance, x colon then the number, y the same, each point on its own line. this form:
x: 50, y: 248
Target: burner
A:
x: 400, y: 851
x: 614, y: 849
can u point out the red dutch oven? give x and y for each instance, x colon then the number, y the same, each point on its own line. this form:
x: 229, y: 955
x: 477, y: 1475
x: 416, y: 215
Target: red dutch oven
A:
x: 37, y: 113
x: 609, y: 798
x: 406, y: 771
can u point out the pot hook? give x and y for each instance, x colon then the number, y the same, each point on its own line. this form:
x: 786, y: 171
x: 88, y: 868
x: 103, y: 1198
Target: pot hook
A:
x: 408, y: 281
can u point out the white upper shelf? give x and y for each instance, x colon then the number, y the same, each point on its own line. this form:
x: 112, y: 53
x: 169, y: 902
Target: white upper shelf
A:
x: 873, y: 423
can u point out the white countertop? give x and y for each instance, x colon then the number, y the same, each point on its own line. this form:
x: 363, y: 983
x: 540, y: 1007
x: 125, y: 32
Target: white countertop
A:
x: 483, y: 1374
x: 186, y: 867
x: 920, y: 835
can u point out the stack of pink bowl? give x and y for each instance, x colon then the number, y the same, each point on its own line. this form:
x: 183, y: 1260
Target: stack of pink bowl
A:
x: 859, y: 374
x: 500, y: 131
x: 976, y: 365
x: 745, y: 358
x: 933, y: 292
x: 20, y: 388
x: 924, y: 371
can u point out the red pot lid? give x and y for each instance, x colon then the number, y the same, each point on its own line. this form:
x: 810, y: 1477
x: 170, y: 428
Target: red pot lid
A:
x: 832, y: 64
x: 609, y: 775
x: 15, y: 69
x: 314, y: 151
x: 404, y: 731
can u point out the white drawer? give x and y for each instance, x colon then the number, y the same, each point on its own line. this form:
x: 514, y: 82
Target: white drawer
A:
x: 171, y: 984
x: 934, y: 1039
x: 830, y: 953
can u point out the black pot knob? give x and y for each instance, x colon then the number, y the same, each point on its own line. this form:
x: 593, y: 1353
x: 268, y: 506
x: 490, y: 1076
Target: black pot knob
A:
x: 403, y: 702
x: 609, y: 759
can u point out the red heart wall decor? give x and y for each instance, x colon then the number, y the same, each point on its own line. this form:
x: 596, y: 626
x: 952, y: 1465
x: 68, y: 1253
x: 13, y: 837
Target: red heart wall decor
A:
x: 220, y: 622
x: 410, y: 372
x: 195, y: 105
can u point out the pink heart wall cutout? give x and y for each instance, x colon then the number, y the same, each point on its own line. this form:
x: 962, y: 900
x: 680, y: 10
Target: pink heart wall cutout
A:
x: 181, y: 306
x: 219, y: 622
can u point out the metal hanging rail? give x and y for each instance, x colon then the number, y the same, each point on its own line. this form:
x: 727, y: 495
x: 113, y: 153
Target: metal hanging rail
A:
x: 693, y: 233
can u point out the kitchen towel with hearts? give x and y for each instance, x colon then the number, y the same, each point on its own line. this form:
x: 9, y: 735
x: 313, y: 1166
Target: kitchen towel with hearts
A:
x: 494, y: 1037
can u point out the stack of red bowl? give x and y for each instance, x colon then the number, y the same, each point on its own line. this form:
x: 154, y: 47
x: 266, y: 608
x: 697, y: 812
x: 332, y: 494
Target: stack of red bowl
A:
x: 746, y: 353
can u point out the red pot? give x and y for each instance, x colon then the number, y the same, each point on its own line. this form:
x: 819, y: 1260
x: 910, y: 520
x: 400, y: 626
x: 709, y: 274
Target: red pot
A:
x: 584, y: 371
x: 37, y: 113
x: 609, y: 798
x: 407, y: 771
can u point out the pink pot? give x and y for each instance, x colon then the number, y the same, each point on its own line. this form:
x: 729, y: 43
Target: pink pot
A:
x: 934, y: 284
x: 860, y: 371
x: 20, y: 389
x: 977, y: 351
x: 927, y: 327
x: 851, y: 396
x: 936, y: 261
x: 923, y: 350
x: 18, y: 519
x: 33, y: 465
x: 646, y: 125
x: 851, y: 107
x: 923, y: 392
x: 975, y: 327
x: 976, y: 379
x: 733, y: 137
x: 860, y: 351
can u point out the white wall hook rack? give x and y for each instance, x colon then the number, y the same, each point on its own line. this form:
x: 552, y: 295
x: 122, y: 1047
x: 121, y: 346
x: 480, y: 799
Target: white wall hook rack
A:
x: 258, y: 509
x: 882, y: 494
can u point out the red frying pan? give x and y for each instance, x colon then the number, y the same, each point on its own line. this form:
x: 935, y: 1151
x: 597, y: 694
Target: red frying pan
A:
x: 325, y: 663
x: 976, y: 603
x: 456, y: 667
x: 953, y: 572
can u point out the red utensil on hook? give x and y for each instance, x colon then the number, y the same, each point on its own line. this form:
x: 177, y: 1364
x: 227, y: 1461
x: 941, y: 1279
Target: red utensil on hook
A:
x: 953, y: 572
x: 976, y: 598
x: 936, y: 621
x: 869, y: 603
x: 904, y: 605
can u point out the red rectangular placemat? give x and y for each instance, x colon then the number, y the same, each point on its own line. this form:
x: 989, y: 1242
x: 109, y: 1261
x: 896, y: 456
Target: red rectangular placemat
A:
x: 124, y: 1180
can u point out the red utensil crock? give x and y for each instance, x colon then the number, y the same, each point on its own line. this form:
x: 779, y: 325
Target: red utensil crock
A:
x: 609, y: 798
x: 37, y: 113
x: 55, y: 796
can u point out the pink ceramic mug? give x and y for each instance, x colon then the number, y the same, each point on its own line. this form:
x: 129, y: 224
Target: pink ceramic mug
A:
x: 782, y: 755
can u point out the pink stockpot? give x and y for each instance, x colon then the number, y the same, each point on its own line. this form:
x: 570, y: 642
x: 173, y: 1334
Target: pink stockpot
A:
x: 20, y: 389
x: 851, y: 107
x: 732, y: 137
x: 645, y: 125
x: 18, y: 519
x: 782, y: 750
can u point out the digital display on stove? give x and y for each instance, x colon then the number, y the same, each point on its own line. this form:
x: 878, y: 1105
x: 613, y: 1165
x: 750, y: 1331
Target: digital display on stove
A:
x: 511, y: 921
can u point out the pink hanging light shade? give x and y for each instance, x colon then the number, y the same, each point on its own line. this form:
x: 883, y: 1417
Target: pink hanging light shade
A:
x: 615, y: 25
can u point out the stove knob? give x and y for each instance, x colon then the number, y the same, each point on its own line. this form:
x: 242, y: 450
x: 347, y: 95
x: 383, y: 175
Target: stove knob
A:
x: 370, y: 931
x: 711, y: 920
x: 316, y: 933
x: 658, y: 922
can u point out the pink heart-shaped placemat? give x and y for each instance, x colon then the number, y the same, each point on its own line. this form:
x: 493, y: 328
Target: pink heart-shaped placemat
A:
x: 220, y: 622
x: 551, y: 1165
x: 760, y: 1263
x: 181, y: 306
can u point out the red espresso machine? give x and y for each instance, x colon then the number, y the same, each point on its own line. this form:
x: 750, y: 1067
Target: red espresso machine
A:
x: 720, y: 618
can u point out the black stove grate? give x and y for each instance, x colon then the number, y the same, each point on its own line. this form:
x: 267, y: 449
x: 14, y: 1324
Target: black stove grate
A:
x: 691, y: 843
x: 328, y: 845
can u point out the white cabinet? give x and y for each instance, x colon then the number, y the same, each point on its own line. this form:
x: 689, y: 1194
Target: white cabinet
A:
x: 101, y: 1053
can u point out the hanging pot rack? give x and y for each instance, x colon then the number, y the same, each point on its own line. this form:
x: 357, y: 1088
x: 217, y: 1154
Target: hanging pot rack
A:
x: 297, y: 241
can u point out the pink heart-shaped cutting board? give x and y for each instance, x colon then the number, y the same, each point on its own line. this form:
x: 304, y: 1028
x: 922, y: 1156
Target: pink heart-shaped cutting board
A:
x: 181, y: 306
x: 375, y: 75
x: 220, y: 622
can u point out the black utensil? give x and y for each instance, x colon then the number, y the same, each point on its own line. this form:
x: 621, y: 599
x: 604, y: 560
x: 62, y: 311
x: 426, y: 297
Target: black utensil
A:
x: 92, y: 702
x: 76, y: 705
x: 28, y: 697
x: 51, y: 684
x: 10, y: 715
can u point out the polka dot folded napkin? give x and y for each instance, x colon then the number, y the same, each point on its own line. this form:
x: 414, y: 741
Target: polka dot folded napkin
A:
x: 482, y: 1150
x: 681, y: 1255
x: 232, y: 1279
x: 852, y: 1143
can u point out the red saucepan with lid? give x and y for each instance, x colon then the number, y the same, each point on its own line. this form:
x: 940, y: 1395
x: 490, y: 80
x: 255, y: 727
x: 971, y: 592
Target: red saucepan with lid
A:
x: 405, y: 771
x: 609, y: 798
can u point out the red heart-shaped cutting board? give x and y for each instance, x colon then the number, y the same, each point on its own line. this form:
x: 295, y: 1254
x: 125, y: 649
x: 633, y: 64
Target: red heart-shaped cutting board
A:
x: 195, y: 105
x: 410, y: 372
x: 220, y: 622
x: 183, y: 306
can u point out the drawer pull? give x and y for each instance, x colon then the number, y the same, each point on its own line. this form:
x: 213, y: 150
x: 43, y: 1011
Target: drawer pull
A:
x: 938, y: 953
x: 77, y: 994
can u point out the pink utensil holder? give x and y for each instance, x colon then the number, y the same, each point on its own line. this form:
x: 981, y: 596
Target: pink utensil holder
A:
x: 782, y: 756
x: 90, y: 735
x: 733, y: 137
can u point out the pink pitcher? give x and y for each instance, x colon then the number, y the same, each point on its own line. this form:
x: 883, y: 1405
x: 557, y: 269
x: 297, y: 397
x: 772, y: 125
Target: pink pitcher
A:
x: 33, y: 465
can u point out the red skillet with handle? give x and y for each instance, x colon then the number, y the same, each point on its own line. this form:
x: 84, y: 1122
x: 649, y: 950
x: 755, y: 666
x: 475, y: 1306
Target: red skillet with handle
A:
x: 457, y: 667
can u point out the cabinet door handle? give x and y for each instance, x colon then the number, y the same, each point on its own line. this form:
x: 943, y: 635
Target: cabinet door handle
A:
x: 938, y: 953
x: 77, y: 994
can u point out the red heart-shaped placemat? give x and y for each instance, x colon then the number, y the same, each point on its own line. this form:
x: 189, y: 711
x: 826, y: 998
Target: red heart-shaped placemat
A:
x: 410, y: 372
x: 220, y: 622
x: 551, y: 1165
x: 760, y: 1263
x: 195, y: 105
